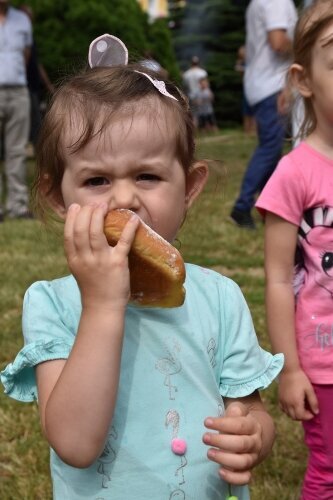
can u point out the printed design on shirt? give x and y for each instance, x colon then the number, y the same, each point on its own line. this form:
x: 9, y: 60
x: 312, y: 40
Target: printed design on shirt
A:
x: 172, y: 419
x: 177, y: 495
x: 212, y: 350
x: 169, y: 365
x: 106, y: 458
x: 315, y: 249
x: 314, y: 272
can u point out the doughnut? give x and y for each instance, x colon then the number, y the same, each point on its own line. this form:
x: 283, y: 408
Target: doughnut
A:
x: 157, y: 270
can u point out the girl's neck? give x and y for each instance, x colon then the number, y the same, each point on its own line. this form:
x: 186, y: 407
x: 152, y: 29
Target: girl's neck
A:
x: 321, y: 139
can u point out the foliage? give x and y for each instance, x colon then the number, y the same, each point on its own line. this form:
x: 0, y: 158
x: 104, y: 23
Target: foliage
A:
x: 160, y: 43
x: 207, y: 239
x: 63, y: 31
x: 214, y: 30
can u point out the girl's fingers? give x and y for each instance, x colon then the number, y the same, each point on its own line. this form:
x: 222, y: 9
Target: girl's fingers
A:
x: 81, y: 230
x: 232, y: 477
x: 232, y: 424
x: 69, y: 230
x: 97, y: 237
x: 84, y: 235
x: 235, y: 468
x: 235, y: 461
x: 127, y: 236
x: 312, y: 401
x: 232, y: 443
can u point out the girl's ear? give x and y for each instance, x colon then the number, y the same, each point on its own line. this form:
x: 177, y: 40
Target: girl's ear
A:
x: 54, y: 199
x: 300, y: 80
x: 57, y: 204
x: 195, y: 182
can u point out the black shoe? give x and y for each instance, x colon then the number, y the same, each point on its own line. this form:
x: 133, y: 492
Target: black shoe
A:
x: 242, y: 219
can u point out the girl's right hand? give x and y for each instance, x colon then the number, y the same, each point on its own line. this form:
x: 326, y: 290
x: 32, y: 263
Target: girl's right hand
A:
x: 101, y: 271
x: 296, y: 395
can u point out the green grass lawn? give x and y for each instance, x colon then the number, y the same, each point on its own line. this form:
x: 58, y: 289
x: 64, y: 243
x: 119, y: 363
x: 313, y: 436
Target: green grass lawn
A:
x: 28, y: 253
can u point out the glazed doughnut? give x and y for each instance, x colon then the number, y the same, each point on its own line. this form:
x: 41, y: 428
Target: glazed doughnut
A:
x: 157, y: 271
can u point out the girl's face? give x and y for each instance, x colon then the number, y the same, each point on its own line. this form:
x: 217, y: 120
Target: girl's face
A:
x: 321, y: 78
x: 133, y: 165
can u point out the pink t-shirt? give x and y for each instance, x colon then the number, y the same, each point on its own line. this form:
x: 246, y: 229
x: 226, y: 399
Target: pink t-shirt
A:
x: 301, y: 192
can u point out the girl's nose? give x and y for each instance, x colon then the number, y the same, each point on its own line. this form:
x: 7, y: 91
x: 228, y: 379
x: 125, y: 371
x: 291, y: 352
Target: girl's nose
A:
x: 124, y: 195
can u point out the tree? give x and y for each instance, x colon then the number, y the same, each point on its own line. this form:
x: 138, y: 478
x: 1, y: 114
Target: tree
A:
x: 63, y: 31
x: 214, y: 30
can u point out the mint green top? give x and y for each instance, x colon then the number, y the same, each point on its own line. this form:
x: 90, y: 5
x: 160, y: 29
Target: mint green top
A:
x: 176, y: 365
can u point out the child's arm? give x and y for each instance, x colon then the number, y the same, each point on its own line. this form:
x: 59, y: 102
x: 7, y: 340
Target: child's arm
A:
x: 77, y: 397
x: 296, y: 394
x: 244, y: 437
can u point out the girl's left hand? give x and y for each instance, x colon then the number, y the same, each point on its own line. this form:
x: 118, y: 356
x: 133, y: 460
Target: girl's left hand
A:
x: 236, y: 444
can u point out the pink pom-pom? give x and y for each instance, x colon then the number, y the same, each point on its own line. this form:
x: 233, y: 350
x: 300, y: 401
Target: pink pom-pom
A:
x: 179, y: 446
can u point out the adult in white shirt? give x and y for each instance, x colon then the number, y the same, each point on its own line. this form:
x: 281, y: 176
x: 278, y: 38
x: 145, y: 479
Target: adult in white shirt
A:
x: 269, y: 32
x: 15, y: 44
x: 191, y: 79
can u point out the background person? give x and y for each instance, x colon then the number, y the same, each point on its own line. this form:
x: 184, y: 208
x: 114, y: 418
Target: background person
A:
x: 37, y: 77
x: 269, y: 30
x: 191, y: 78
x: 15, y: 48
x: 111, y: 377
x: 249, y: 122
x: 204, y: 101
x: 298, y: 206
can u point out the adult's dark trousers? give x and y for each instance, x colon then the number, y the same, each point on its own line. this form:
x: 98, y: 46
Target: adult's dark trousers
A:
x: 35, y: 117
x: 271, y: 127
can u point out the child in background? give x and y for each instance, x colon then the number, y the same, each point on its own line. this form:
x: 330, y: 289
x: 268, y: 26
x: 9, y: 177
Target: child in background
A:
x: 115, y: 382
x: 204, y: 100
x: 298, y: 207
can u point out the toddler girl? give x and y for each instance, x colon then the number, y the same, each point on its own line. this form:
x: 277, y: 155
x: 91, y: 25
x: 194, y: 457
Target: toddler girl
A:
x: 298, y: 207
x: 120, y: 386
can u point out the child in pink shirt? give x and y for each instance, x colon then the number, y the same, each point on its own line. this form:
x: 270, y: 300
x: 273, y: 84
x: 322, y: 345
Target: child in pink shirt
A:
x: 297, y: 204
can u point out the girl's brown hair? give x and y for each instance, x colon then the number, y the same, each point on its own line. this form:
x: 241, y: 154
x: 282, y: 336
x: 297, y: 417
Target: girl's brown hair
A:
x: 309, y: 26
x: 85, y: 105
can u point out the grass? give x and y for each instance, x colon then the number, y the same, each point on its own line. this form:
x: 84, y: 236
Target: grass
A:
x: 28, y: 253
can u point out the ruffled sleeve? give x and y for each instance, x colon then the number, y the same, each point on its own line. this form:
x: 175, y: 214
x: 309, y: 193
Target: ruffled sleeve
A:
x: 51, y: 312
x: 246, y: 366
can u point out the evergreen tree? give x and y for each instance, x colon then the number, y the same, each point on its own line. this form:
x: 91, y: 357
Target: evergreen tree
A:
x: 63, y: 31
x: 214, y: 30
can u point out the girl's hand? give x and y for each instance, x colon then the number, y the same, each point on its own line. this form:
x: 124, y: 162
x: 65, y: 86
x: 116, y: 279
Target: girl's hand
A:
x: 236, y: 444
x: 296, y: 395
x: 100, y: 270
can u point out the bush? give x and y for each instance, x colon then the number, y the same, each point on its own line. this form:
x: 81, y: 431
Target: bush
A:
x: 64, y: 30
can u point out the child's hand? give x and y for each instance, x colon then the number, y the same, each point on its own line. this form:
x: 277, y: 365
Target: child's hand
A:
x: 100, y: 270
x: 236, y: 444
x: 296, y: 395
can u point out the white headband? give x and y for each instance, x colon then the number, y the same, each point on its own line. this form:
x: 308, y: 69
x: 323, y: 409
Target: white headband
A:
x: 108, y: 50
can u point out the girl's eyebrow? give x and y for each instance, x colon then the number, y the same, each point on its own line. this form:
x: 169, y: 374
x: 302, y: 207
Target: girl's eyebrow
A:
x: 101, y: 169
x: 92, y: 170
x: 326, y: 41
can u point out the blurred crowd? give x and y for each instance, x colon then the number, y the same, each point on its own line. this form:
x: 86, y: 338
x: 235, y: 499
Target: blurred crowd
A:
x: 261, y: 61
x: 22, y: 77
